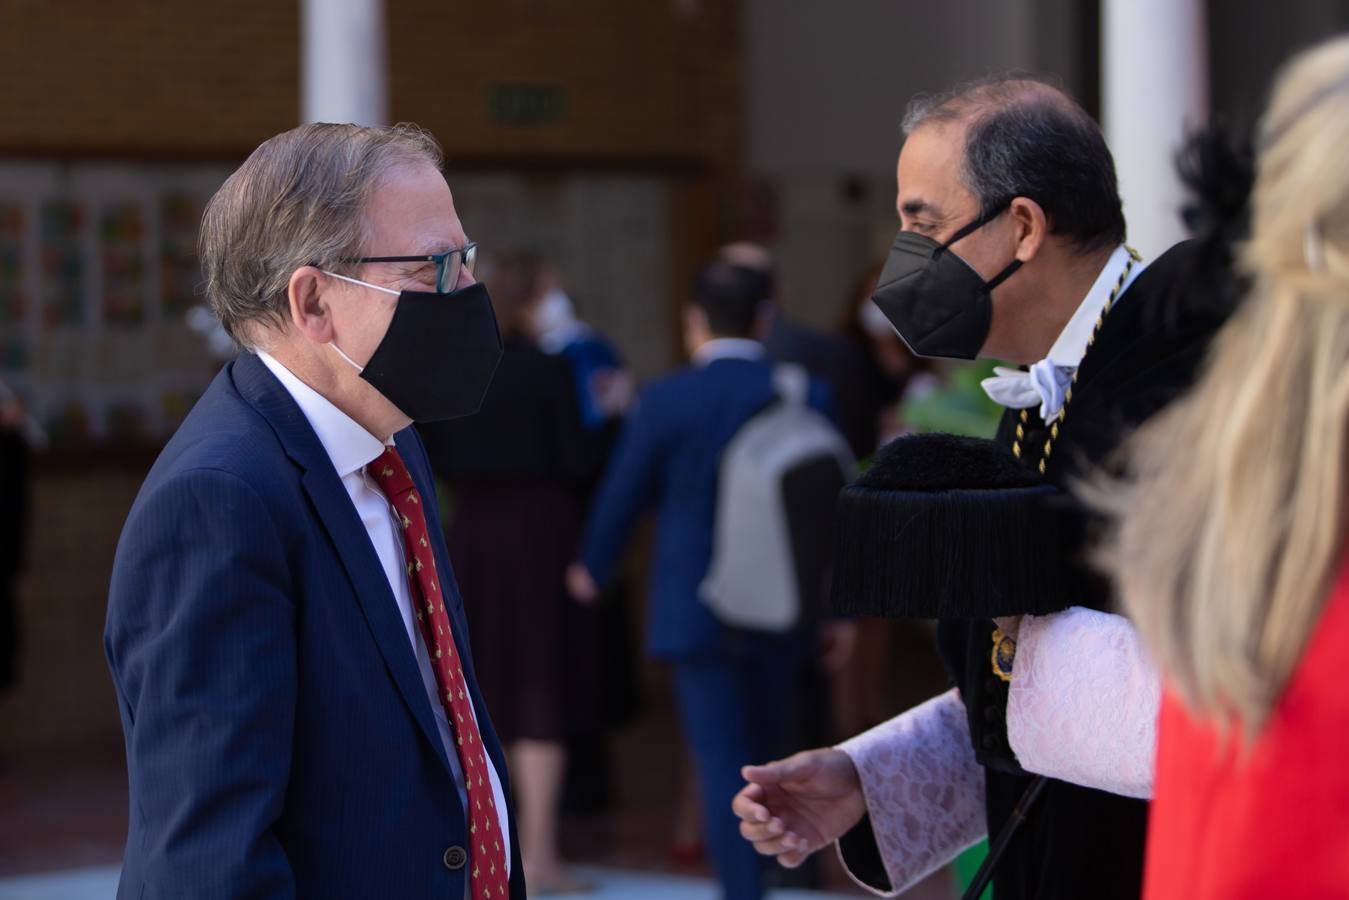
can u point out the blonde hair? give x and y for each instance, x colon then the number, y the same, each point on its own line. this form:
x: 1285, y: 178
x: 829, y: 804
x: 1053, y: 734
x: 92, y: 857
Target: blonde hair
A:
x: 298, y: 200
x: 1232, y: 527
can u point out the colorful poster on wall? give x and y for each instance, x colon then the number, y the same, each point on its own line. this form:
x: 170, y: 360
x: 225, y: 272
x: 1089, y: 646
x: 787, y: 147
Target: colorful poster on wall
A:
x: 180, y: 275
x: 68, y: 424
x: 121, y: 233
x: 14, y: 300
x: 13, y: 297
x: 62, y: 264
x: 126, y: 422
x: 13, y: 353
x: 98, y: 267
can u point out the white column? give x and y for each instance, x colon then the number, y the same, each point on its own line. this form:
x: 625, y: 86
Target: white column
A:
x: 1155, y: 88
x: 343, y: 69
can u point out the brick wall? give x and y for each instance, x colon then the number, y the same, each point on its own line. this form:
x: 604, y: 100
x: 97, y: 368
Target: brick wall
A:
x: 146, y: 77
x: 634, y: 81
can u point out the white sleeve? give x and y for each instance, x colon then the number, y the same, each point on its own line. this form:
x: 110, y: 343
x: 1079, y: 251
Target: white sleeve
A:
x: 1084, y: 701
x: 924, y: 790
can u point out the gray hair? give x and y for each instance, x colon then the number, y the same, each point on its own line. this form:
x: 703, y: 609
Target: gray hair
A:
x: 1025, y: 137
x: 297, y: 200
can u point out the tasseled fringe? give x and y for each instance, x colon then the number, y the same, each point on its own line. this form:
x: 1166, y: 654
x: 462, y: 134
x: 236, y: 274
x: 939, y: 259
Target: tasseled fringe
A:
x: 959, y: 551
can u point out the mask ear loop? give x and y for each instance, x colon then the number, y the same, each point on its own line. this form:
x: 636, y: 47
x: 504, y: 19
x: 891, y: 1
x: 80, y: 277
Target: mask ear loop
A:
x: 361, y: 283
x: 351, y: 362
x: 1004, y: 274
x: 975, y: 225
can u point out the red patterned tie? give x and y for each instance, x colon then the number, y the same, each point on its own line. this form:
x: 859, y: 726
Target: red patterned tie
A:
x: 487, y: 880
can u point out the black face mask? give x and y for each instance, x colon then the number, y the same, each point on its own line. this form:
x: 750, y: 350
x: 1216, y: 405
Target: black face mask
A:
x: 936, y: 301
x: 438, y: 357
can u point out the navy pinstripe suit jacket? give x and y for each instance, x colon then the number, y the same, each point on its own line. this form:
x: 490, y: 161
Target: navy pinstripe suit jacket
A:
x: 280, y: 742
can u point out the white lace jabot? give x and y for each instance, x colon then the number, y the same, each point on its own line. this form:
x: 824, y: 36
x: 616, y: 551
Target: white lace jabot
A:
x: 1048, y: 380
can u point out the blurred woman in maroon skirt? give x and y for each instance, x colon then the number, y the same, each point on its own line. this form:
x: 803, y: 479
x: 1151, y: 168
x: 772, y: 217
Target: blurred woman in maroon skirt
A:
x: 516, y: 475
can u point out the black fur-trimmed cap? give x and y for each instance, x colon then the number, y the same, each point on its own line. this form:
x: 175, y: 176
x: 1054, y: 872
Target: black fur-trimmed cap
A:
x: 951, y: 527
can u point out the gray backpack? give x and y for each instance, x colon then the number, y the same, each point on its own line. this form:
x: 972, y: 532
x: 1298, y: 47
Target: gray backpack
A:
x: 778, y: 482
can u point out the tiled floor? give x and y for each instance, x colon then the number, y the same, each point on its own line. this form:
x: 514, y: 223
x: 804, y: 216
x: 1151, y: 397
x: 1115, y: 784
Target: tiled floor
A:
x: 611, y: 884
x: 98, y: 883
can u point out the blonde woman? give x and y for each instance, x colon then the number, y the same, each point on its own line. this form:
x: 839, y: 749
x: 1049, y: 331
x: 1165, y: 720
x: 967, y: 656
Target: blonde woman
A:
x: 1230, y: 550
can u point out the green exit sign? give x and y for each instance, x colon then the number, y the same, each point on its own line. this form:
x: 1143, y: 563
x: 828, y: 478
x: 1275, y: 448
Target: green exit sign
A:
x: 525, y: 104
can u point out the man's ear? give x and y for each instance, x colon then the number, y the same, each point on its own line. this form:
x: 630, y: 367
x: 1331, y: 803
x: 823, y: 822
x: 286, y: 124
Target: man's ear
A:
x: 696, y: 331
x: 310, y: 311
x: 695, y: 320
x: 1031, y: 227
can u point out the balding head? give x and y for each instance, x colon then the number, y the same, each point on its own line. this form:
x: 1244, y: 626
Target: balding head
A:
x: 973, y: 99
x: 748, y: 255
x: 1024, y: 137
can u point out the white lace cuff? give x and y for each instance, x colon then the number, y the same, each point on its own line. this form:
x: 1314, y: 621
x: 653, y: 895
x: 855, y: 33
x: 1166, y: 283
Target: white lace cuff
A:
x: 1084, y: 702
x: 924, y: 790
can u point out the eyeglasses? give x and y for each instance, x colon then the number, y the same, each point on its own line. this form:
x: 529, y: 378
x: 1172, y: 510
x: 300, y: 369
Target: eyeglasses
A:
x: 447, y: 264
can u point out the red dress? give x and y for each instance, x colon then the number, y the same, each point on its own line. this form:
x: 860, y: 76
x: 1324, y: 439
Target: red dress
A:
x: 1270, y: 822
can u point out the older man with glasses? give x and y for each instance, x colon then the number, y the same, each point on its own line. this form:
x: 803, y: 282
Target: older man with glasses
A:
x: 284, y: 630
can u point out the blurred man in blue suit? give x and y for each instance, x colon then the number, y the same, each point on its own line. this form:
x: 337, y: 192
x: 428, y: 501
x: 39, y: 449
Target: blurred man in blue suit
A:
x: 284, y: 631
x: 729, y: 681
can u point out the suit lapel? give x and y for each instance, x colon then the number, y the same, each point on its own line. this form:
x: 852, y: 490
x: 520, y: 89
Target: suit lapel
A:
x: 339, y: 519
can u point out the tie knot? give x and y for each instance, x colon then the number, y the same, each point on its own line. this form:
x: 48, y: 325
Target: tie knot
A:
x: 390, y: 473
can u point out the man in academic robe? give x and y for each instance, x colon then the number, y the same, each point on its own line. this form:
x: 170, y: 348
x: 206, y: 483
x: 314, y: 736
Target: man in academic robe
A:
x: 1011, y: 248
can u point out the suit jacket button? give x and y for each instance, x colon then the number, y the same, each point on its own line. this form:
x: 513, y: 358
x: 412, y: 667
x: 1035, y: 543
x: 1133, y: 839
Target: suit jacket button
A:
x: 991, y: 714
x: 990, y: 742
x: 455, y: 859
x: 992, y: 685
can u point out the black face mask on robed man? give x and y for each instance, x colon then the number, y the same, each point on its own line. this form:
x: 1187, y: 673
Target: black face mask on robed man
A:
x: 936, y: 301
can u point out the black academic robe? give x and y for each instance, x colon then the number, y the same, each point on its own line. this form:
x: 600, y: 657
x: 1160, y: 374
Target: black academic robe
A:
x: 1076, y: 842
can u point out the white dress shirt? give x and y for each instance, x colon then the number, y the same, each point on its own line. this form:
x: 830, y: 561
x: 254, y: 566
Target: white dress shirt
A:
x: 728, y: 348
x: 1048, y: 380
x: 351, y: 448
x: 1058, y: 723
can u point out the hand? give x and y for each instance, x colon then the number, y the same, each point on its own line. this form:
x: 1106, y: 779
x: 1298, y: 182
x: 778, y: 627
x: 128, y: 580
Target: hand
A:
x: 795, y: 806
x: 581, y: 585
x: 838, y: 638
x: 614, y: 391
x: 11, y: 410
